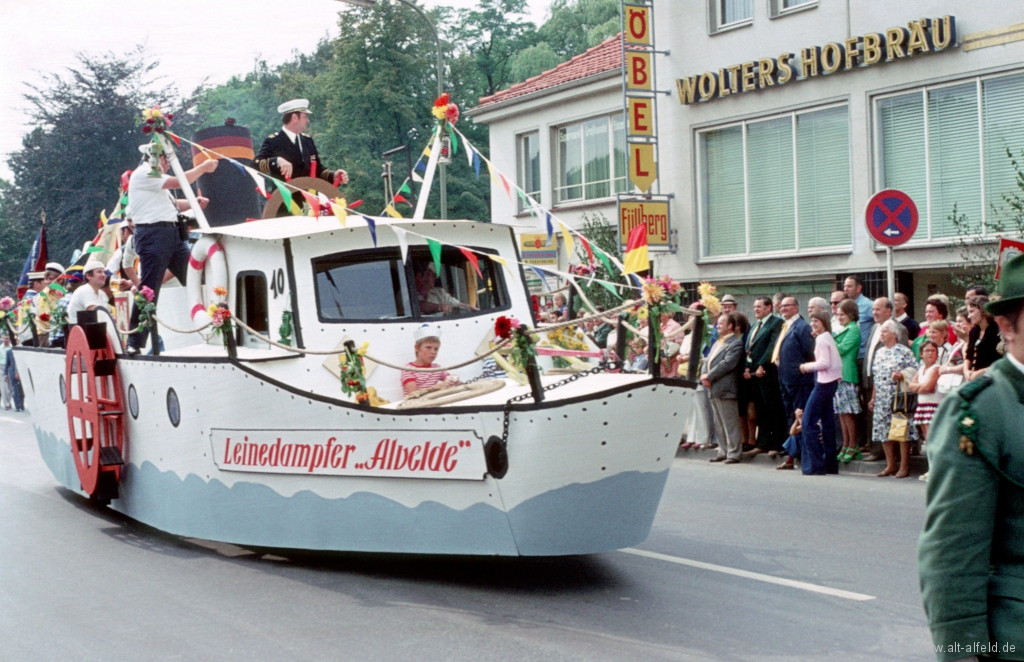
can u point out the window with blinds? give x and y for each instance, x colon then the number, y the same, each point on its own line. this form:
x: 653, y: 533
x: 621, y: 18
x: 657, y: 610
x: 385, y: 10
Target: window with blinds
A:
x: 778, y: 185
x: 591, y: 159
x: 947, y: 146
x: 528, y: 166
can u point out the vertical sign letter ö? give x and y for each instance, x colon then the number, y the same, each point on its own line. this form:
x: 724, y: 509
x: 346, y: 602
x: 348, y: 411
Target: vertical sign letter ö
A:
x: 638, y: 26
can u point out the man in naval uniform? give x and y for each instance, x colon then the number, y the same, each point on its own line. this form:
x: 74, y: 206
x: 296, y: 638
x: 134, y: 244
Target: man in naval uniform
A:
x: 290, y: 152
x: 971, y: 551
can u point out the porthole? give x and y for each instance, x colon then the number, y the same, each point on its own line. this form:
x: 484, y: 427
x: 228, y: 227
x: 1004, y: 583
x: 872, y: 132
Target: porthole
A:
x: 173, y: 407
x: 133, y: 401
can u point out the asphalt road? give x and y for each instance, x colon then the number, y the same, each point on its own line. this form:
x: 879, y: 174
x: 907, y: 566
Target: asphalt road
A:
x: 83, y: 583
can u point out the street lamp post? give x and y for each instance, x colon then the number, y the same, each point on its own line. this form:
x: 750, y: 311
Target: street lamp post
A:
x: 440, y: 83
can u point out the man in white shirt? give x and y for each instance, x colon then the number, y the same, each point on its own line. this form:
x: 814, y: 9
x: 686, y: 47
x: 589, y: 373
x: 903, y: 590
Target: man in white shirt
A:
x: 835, y: 299
x: 155, y: 214
x: 90, y: 295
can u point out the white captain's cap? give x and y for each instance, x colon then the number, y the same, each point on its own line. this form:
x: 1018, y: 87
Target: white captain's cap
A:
x: 427, y: 331
x: 54, y: 267
x: 300, y: 105
x: 93, y: 264
x: 36, y: 275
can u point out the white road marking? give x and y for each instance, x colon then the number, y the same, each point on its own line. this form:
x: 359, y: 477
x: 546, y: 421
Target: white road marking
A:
x: 839, y: 593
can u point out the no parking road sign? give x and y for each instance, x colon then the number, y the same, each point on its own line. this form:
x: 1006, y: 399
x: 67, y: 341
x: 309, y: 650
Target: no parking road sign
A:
x: 891, y: 217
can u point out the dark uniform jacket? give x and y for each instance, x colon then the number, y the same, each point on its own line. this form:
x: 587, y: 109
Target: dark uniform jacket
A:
x: 797, y: 348
x: 278, y: 144
x: 759, y: 352
x: 971, y: 551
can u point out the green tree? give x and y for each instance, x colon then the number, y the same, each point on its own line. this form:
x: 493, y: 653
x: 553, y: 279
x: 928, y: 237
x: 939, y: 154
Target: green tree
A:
x: 576, y: 25
x: 979, y: 255
x: 602, y: 235
x: 491, y: 36
x: 85, y: 135
x: 533, y: 61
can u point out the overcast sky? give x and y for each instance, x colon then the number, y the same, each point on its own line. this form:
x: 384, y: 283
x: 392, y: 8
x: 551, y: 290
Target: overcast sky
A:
x: 192, y: 39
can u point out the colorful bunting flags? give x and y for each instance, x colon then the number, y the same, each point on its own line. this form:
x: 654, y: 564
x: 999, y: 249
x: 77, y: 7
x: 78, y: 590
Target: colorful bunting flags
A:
x: 567, y: 239
x: 340, y: 213
x: 405, y: 188
x: 372, y: 225
x: 435, y: 251
x: 473, y: 260
x: 392, y: 212
x: 403, y: 242
x: 312, y: 201
x: 551, y: 228
x: 542, y: 277
x: 502, y: 261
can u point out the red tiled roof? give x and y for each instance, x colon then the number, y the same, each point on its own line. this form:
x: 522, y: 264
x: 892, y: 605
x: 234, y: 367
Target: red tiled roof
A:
x: 606, y: 56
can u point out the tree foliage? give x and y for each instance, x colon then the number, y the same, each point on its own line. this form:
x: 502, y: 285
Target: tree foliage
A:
x: 86, y: 134
x: 978, y: 254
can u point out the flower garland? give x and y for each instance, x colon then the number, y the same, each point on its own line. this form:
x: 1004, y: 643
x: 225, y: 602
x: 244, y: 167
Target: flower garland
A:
x: 353, y: 373
x: 661, y: 296
x: 567, y: 337
x: 522, y: 342
x: 447, y: 114
x: 712, y: 309
x: 144, y: 302
x: 155, y: 121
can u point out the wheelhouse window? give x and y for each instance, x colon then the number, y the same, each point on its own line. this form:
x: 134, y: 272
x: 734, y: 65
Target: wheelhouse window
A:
x: 252, y: 306
x: 378, y: 286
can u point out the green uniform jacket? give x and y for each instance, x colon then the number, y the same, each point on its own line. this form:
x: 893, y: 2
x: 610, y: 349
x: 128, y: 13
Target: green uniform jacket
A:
x: 971, y: 552
x: 848, y: 344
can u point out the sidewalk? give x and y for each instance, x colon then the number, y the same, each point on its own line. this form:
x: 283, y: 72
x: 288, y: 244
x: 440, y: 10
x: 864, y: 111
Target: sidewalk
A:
x: 918, y: 463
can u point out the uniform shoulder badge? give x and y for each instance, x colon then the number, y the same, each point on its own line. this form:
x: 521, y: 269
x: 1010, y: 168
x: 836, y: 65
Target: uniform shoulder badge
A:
x: 967, y: 421
x: 274, y: 135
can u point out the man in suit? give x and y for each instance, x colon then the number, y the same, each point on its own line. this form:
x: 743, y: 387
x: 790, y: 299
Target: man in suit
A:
x: 900, y: 303
x: 720, y: 376
x: 761, y: 372
x: 794, y: 347
x: 290, y: 152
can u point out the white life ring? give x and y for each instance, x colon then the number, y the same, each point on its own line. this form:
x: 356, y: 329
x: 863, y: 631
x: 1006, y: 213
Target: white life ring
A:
x: 207, y: 249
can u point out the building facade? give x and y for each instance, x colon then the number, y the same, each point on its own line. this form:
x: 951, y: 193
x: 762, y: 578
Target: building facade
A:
x: 784, y: 117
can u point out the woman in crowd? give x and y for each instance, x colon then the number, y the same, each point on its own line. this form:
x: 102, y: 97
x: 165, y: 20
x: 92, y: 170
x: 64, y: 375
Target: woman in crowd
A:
x: 671, y: 337
x: 983, y: 342
x: 893, y: 365
x: 925, y: 384
x: 935, y: 309
x: 938, y: 333
x: 818, y: 440
x: 428, y: 344
x: 639, y: 348
x: 954, y: 363
x: 847, y: 400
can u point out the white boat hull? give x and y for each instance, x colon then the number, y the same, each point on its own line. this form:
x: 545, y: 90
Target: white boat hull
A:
x: 586, y: 472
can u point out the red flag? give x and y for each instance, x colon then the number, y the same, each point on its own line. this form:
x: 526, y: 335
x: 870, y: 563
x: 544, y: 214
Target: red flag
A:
x: 314, y: 204
x: 401, y: 198
x: 472, y: 258
x: 586, y: 245
x: 636, y: 251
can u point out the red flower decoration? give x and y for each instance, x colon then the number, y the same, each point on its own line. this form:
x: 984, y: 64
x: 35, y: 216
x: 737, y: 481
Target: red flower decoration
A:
x: 146, y: 128
x: 44, y: 317
x: 442, y: 100
x: 451, y: 113
x: 503, y: 327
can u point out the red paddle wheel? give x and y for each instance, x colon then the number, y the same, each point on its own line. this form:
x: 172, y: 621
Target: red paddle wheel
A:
x: 95, y: 410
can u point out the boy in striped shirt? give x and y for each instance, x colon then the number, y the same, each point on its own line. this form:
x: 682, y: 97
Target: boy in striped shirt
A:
x: 428, y: 343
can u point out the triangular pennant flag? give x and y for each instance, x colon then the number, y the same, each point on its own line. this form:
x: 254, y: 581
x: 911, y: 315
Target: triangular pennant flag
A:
x: 236, y: 164
x: 325, y: 202
x: 426, y: 151
x: 416, y: 177
x: 536, y: 210
x: 286, y: 197
x: 176, y: 139
x: 611, y: 288
x: 490, y: 171
x: 551, y: 227
x: 435, y: 251
x: 261, y: 184
x: 392, y: 212
x: 403, y: 242
x: 455, y: 141
x: 604, y: 260
x: 476, y: 164
x: 420, y: 165
x: 586, y: 246
x: 312, y: 201
x: 372, y: 225
x: 542, y: 277
x: 502, y: 261
x: 340, y: 213
x: 526, y: 200
x: 567, y: 239
x: 470, y: 153
x: 103, y: 218
x: 401, y: 198
x: 473, y: 259
x: 504, y: 182
x: 405, y: 188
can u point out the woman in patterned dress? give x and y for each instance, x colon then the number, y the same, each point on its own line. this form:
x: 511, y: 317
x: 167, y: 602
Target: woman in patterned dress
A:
x: 847, y: 400
x: 893, y: 364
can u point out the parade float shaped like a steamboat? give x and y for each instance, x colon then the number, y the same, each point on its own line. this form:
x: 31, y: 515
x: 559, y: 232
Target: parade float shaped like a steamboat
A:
x: 262, y: 448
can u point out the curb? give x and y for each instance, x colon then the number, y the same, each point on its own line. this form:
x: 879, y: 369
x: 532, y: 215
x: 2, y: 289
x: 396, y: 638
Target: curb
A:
x: 918, y: 463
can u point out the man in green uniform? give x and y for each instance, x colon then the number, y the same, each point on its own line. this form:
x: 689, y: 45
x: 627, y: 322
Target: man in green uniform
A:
x: 971, y: 552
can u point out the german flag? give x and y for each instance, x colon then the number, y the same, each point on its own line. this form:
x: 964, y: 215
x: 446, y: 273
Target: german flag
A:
x: 636, y: 250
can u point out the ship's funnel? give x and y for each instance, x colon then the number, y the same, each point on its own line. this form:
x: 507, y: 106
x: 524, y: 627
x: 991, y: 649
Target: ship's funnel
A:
x: 231, y: 191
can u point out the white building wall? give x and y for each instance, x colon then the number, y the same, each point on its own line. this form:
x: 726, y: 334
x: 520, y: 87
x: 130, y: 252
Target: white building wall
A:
x: 681, y: 26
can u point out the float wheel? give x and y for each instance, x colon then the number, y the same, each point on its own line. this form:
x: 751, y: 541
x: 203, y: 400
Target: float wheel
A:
x: 95, y: 410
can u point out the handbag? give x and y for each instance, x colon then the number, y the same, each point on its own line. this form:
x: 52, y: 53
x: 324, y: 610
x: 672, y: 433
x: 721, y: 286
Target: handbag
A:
x: 947, y: 383
x: 899, y: 426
